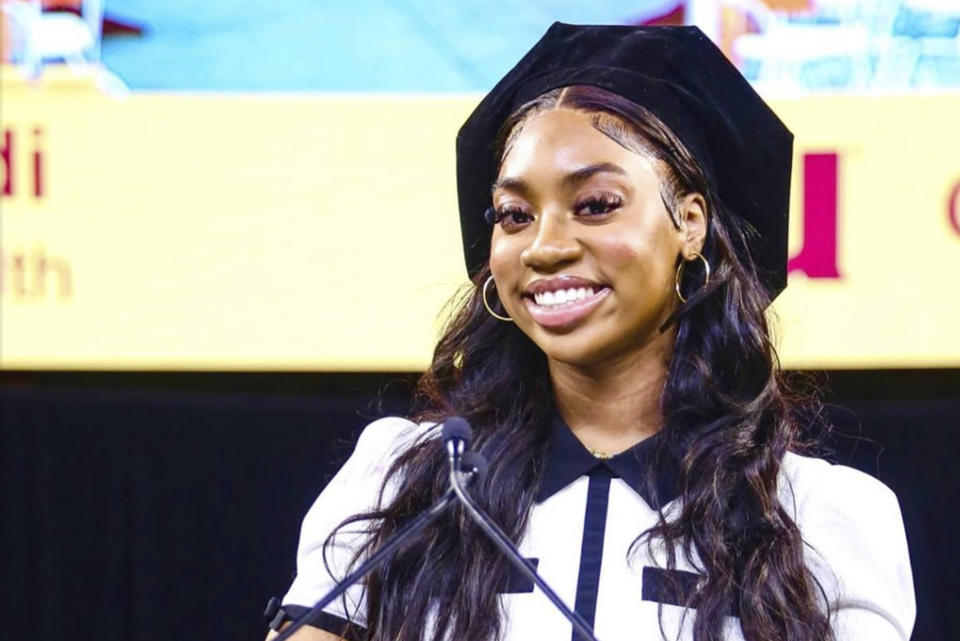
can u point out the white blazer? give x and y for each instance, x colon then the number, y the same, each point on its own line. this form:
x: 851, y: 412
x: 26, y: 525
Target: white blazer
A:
x: 587, y: 516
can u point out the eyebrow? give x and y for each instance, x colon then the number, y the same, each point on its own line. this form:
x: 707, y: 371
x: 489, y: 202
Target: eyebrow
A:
x: 572, y: 179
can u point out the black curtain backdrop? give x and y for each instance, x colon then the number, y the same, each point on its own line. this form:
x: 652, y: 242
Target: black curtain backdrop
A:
x: 149, y: 506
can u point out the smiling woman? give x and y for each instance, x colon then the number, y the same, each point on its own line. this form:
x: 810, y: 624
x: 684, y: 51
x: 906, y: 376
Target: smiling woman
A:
x: 598, y: 210
x: 623, y: 201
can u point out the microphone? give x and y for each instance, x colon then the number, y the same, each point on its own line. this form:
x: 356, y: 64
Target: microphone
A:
x: 469, y: 468
x: 475, y: 465
x: 503, y: 542
x: 457, y: 436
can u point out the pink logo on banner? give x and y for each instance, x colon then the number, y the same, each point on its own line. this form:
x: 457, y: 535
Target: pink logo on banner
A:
x: 953, y: 208
x: 817, y: 257
x: 10, y: 166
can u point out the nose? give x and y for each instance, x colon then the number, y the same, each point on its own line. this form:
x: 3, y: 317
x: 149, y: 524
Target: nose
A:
x: 553, y: 246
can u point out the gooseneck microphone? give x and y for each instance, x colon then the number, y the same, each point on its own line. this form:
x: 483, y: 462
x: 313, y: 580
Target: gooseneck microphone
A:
x: 457, y: 437
x: 465, y: 467
x: 501, y: 540
x: 470, y: 467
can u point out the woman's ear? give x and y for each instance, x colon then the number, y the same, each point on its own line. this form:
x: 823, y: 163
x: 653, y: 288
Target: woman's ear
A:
x: 692, y: 211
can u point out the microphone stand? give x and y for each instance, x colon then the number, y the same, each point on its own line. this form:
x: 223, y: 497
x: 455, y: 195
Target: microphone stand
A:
x: 509, y: 550
x: 376, y: 559
x: 456, y: 437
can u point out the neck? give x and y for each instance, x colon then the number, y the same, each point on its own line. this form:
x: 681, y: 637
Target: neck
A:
x: 613, y: 405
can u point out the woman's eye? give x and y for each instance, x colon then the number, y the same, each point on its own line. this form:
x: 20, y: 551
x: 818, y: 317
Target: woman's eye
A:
x: 598, y: 205
x: 511, y: 217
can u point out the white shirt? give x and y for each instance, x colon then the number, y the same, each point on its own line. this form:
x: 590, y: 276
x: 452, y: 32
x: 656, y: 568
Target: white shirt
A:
x: 588, y: 514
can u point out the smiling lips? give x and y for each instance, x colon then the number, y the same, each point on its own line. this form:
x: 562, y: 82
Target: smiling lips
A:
x: 560, y: 302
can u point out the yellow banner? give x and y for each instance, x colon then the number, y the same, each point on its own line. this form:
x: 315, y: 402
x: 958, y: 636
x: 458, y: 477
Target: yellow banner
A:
x: 320, y: 232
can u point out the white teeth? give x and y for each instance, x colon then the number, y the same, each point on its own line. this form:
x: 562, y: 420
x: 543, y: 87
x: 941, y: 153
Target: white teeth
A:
x: 562, y: 296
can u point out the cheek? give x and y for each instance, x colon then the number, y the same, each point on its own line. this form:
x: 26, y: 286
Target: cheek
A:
x: 622, y: 254
x: 647, y: 261
x: 504, y: 258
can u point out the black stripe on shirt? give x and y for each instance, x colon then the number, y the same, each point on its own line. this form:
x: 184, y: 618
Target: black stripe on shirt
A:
x: 329, y: 622
x: 591, y: 548
x: 517, y: 582
x: 674, y: 587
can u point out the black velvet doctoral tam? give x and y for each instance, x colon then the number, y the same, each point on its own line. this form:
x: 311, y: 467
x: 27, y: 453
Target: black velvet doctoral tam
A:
x: 681, y: 76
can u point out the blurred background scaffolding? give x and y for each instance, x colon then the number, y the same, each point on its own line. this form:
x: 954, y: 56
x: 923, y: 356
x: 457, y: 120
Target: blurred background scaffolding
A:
x: 229, y: 229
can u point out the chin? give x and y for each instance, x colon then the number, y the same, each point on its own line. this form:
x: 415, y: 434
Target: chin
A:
x: 585, y: 348
x: 575, y: 350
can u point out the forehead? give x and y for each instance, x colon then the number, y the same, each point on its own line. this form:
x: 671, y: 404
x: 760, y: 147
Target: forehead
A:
x: 562, y: 141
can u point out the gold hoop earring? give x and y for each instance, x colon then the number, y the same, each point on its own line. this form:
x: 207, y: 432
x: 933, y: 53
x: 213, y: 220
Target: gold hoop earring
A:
x: 706, y: 272
x: 487, y: 305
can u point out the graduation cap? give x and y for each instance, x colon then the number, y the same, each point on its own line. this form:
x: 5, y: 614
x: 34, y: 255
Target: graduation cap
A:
x: 677, y: 73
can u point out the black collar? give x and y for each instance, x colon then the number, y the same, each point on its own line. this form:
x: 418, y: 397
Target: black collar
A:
x: 568, y: 460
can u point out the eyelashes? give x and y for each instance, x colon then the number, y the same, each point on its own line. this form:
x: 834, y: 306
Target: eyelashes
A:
x: 595, y: 205
x: 600, y: 203
x: 503, y: 216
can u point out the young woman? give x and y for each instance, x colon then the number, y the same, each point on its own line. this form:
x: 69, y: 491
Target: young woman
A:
x: 623, y: 197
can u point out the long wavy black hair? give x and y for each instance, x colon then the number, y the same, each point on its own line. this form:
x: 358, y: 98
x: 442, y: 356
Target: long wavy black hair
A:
x: 729, y: 418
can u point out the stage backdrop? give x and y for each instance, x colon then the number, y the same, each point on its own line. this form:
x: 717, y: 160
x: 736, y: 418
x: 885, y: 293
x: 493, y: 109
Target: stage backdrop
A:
x: 320, y: 232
